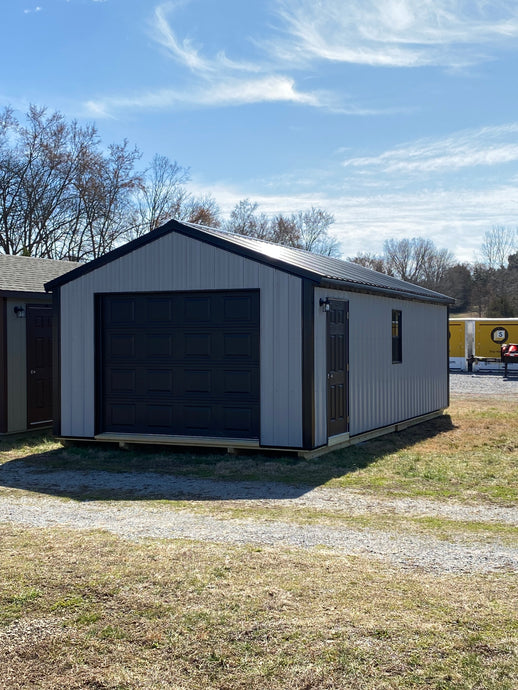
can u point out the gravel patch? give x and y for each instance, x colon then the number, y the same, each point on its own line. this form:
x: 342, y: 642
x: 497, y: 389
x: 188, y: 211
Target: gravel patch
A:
x: 484, y: 384
x: 138, y: 522
x: 152, y: 485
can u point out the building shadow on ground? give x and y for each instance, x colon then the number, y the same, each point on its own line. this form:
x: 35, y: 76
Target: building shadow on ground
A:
x: 95, y: 471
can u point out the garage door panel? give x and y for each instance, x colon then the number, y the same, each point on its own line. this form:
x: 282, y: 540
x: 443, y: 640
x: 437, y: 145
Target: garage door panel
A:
x: 155, y: 345
x: 121, y: 381
x: 122, y: 310
x: 158, y: 310
x: 186, y: 364
x: 157, y: 381
x: 197, y: 310
x: 239, y: 308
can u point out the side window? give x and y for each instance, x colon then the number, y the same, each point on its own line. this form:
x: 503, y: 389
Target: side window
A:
x: 397, y: 354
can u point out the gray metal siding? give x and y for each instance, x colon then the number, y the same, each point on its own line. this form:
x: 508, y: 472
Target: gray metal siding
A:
x: 382, y: 393
x: 176, y: 262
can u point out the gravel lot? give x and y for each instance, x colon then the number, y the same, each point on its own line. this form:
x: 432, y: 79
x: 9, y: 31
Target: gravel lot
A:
x: 133, y: 521
x: 484, y: 384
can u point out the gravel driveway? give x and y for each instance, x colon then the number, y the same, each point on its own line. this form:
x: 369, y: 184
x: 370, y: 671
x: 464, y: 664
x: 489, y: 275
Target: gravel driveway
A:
x: 136, y: 520
x: 484, y: 384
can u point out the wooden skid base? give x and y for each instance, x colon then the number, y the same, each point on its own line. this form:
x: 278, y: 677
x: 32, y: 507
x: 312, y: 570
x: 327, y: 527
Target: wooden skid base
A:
x: 234, y: 445
x: 360, y: 438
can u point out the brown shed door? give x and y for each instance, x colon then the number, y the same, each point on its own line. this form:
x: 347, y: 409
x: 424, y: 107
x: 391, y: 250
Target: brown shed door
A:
x: 39, y: 364
x: 337, y: 367
x: 180, y: 363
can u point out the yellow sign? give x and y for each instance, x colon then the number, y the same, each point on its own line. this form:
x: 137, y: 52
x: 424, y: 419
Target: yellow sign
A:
x: 491, y: 334
x: 457, y: 338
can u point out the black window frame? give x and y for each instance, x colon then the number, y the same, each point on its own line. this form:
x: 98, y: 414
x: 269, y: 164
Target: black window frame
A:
x: 397, y: 336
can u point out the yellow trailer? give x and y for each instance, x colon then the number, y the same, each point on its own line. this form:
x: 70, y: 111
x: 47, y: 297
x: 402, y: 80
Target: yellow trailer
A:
x: 457, y: 344
x: 490, y: 335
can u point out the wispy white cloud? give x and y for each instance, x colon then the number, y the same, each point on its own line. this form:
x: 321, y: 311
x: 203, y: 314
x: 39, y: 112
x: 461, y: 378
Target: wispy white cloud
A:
x: 399, y: 33
x: 34, y: 9
x: 226, y: 92
x: 216, y: 81
x: 467, y: 149
x: 186, y: 53
x: 455, y: 219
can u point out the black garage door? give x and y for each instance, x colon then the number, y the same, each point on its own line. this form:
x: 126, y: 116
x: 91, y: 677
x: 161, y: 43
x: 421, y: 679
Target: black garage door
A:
x: 180, y: 363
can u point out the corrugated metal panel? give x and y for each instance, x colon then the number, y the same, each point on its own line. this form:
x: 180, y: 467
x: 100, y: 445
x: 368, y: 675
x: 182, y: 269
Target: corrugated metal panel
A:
x: 176, y: 262
x: 322, y: 266
x: 382, y: 393
x: 305, y: 264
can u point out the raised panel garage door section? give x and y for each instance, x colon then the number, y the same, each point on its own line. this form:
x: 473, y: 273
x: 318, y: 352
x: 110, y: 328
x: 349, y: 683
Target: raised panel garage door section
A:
x: 183, y: 364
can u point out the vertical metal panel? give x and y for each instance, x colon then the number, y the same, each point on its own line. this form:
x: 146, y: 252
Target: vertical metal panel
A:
x: 382, y: 393
x: 176, y: 262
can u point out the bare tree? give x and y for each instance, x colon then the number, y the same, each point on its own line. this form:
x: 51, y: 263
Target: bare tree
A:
x: 417, y: 260
x: 499, y: 243
x: 161, y: 195
x: 61, y: 196
x: 373, y: 261
x: 313, y: 226
x: 202, y: 210
x: 304, y: 230
x: 244, y: 220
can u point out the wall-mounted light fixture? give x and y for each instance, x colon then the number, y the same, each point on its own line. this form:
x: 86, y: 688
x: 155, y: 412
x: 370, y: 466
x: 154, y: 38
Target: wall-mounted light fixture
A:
x: 20, y: 312
x: 324, y: 303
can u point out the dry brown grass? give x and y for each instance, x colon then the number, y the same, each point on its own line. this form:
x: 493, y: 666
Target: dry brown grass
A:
x: 87, y: 610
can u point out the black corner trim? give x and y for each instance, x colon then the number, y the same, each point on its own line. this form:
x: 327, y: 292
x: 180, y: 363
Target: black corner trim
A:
x: 56, y: 362
x: 308, y: 365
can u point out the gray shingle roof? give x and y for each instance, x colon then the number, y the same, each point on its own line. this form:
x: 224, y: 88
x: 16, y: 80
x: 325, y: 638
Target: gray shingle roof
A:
x: 322, y: 270
x: 27, y: 274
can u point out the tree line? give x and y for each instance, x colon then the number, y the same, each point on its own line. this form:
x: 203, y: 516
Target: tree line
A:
x: 63, y: 195
x: 487, y: 287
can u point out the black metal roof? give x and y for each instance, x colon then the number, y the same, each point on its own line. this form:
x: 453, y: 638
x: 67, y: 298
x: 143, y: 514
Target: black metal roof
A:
x: 322, y: 270
x: 27, y: 275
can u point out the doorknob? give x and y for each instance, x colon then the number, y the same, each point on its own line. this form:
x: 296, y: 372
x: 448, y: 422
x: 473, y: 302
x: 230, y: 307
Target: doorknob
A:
x: 33, y: 371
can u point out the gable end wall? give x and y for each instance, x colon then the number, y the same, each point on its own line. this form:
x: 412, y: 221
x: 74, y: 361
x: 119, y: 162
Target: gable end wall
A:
x: 175, y: 262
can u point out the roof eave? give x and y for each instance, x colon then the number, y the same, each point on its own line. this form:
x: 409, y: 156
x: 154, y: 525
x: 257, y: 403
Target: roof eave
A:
x: 334, y: 284
x: 22, y: 293
x: 189, y: 230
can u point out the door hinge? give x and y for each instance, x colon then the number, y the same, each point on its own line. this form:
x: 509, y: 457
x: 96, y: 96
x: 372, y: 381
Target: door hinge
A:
x: 347, y: 367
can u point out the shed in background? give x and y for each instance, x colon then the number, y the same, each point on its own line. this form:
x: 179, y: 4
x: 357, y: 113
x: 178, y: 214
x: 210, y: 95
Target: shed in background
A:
x: 26, y: 341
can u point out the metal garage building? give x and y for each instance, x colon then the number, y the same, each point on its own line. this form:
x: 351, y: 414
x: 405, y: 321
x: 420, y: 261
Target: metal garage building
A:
x: 193, y: 335
x: 26, y: 341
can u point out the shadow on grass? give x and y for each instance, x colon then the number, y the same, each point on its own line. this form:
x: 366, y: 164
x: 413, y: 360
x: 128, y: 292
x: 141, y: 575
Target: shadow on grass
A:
x: 101, y: 471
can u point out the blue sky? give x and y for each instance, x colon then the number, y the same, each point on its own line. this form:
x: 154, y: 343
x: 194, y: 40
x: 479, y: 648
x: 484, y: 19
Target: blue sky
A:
x: 399, y: 117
